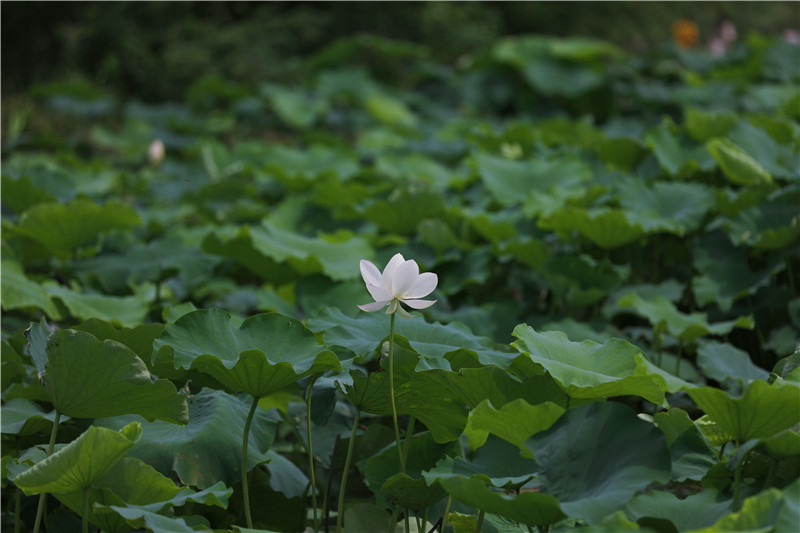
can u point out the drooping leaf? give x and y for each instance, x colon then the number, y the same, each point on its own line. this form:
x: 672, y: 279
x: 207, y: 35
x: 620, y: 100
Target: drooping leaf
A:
x: 19, y: 292
x: 125, y: 310
x: 676, y: 208
x: 81, y: 462
x: 24, y: 417
x: 594, y: 477
x: 209, y: 448
x: 721, y: 361
x: 691, y: 452
x: 88, y: 378
x: 265, y: 354
x: 762, y: 411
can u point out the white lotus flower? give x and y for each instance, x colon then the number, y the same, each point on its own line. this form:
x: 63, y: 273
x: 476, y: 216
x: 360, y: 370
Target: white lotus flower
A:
x: 399, y: 282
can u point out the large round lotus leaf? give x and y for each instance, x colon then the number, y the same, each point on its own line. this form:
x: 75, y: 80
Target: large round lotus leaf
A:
x: 88, y: 378
x: 515, y: 422
x: 692, y: 454
x: 607, y: 228
x: 693, y: 512
x: 209, y: 448
x: 265, y: 354
x: 591, y: 370
x: 762, y: 411
x: 125, y: 310
x: 526, y: 507
x: 597, y: 456
x: 19, y: 292
x: 80, y: 463
x: 670, y: 207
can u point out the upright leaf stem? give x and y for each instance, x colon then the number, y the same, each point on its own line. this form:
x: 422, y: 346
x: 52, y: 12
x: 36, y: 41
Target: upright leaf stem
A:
x: 43, y: 497
x: 245, y: 439
x: 391, y: 389
x: 85, y: 523
x: 311, y: 455
x: 343, y: 487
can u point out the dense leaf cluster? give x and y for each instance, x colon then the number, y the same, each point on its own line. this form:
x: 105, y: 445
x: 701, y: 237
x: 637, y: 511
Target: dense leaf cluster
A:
x: 614, y: 343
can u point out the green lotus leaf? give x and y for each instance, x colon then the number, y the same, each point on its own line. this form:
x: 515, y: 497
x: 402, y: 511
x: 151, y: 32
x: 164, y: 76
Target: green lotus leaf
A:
x: 278, y: 254
x: 591, y: 370
x: 759, y: 513
x: 515, y: 422
x: 296, y: 109
x: 771, y: 227
x: 125, y: 310
x: 423, y: 453
x: 721, y: 361
x: 605, y: 227
x: 21, y: 193
x: 512, y: 182
x: 761, y: 412
x: 24, y: 417
x: 415, y: 393
x: 779, y: 159
x: 687, y: 327
x: 417, y: 166
x: 497, y: 461
x: 154, y: 261
x: 672, y: 152
x: 693, y: 512
x: 209, y: 448
x: 365, y: 332
x: 594, y: 477
x: 724, y: 274
x: 409, y: 493
x: 19, y: 292
x: 80, y: 463
x: 265, y: 354
x: 390, y: 111
x: 138, y: 338
x: 527, y: 507
x: 691, y: 452
x: 89, y: 378
x: 139, y: 518
x: 405, y: 206
x: 130, y: 481
x: 298, y: 169
x: 703, y: 125
x: 63, y: 228
x: 736, y: 164
x: 677, y: 208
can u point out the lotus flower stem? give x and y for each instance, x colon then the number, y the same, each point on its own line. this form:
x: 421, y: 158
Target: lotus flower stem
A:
x: 407, y: 441
x: 479, y: 525
x: 43, y: 497
x: 245, y: 439
x: 85, y: 524
x: 406, y: 519
x: 446, y: 512
x: 343, y: 487
x: 391, y: 393
x: 311, y: 455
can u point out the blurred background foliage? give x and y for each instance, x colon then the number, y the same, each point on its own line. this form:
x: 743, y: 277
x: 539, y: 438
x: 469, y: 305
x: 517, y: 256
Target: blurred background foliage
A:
x: 156, y: 51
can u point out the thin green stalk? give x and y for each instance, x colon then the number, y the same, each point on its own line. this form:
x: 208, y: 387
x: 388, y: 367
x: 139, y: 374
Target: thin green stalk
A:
x: 737, y: 481
x: 479, y: 526
x: 407, y: 442
x: 343, y: 487
x: 40, y: 510
x: 446, y: 512
x: 680, y: 356
x: 311, y: 455
x: 245, y: 439
x: 419, y: 523
x: 326, y: 499
x: 391, y: 390
x: 406, y: 521
x: 17, y: 505
x: 85, y: 527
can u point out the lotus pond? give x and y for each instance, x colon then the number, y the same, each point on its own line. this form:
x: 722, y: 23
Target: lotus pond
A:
x: 599, y: 250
